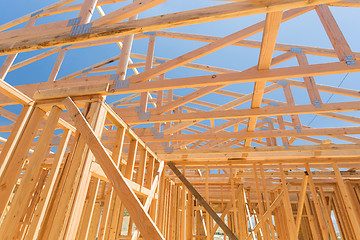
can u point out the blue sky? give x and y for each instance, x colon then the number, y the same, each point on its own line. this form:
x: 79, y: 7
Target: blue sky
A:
x: 304, y: 30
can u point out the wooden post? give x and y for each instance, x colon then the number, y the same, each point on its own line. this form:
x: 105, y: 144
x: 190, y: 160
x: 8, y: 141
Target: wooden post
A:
x: 84, y: 227
x: 149, y: 61
x: 111, y: 198
x: 316, y: 203
x: 233, y: 199
x: 287, y: 205
x: 189, y: 216
x: 10, y: 176
x: 15, y: 136
x: 84, y: 182
x: 29, y: 180
x: 348, y: 204
x: 301, y: 201
x: 44, y: 201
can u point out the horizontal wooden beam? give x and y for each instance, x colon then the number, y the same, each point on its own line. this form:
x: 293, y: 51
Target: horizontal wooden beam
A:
x: 345, y: 162
x: 346, y: 3
x: 61, y: 36
x: 270, y: 75
x: 251, y: 43
x: 257, y: 134
x: 242, y: 77
x: 272, y: 149
x: 96, y: 89
x: 132, y: 118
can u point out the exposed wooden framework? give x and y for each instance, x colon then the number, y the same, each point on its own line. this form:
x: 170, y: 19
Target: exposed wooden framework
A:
x: 164, y: 160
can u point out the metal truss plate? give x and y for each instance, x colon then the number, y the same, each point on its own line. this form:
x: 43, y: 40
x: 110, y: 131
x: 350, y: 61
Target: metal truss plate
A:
x: 121, y: 84
x: 80, y: 29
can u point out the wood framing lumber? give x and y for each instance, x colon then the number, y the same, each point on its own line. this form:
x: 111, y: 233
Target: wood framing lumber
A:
x: 270, y: 75
x: 290, y: 222
x: 154, y: 186
x: 244, y: 113
x: 251, y: 43
x: 257, y: 134
x: 53, y: 9
x: 271, y: 150
x: 247, y: 76
x: 346, y: 3
x: 8, y: 228
x: 187, y: 36
x: 212, y: 47
x: 281, y: 156
x: 318, y: 211
x: 34, y: 58
x: 118, y: 122
x: 14, y: 136
x: 144, y: 96
x: 14, y: 94
x: 96, y: 118
x: 272, y: 25
x: 347, y: 201
x: 97, y: 89
x: 333, y: 31
x: 275, y: 203
x: 126, y: 12
x: 86, y: 11
x: 50, y: 92
x: 138, y: 189
x: 46, y: 194
x: 264, y: 227
x: 202, y: 201
x: 74, y: 7
x: 288, y: 163
x: 206, y: 90
x: 142, y: 220
x: 19, y: 150
x: 77, y: 170
x: 28, y: 16
x: 57, y: 65
x: 150, y: 197
x: 189, y: 119
x: 224, y: 213
x: 5, y: 67
x: 59, y: 37
x: 324, y: 88
x: 124, y: 58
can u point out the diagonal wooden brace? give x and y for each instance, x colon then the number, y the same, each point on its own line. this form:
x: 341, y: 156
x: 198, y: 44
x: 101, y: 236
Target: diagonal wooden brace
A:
x: 141, y: 219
